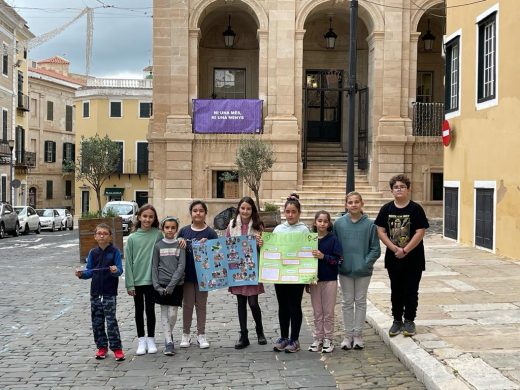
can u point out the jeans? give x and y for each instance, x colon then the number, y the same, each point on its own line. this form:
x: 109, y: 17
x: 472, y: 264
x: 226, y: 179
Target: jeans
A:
x: 404, y: 284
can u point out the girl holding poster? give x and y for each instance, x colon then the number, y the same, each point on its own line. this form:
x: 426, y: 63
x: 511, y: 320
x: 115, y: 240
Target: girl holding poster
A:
x: 197, y: 231
x: 247, y: 222
x: 289, y: 296
x: 323, y: 293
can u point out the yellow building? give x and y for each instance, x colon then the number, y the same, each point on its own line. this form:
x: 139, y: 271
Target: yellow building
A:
x: 120, y: 109
x: 481, y: 181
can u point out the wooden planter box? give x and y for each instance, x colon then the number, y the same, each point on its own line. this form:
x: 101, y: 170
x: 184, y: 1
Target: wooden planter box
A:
x: 86, y: 234
x: 270, y: 219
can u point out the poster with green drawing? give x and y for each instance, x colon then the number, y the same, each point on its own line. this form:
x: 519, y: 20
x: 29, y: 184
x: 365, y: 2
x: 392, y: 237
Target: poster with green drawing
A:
x: 287, y: 258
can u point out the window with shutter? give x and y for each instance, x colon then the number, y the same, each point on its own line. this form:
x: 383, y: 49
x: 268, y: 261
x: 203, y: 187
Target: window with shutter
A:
x: 50, y: 110
x: 142, y: 158
x: 49, y: 189
x: 145, y: 109
x: 5, y: 121
x: 68, y: 188
x: 4, y: 189
x: 68, y: 118
x: 86, y: 109
x: 452, y: 76
x: 487, y: 61
x: 116, y: 110
x: 5, y: 60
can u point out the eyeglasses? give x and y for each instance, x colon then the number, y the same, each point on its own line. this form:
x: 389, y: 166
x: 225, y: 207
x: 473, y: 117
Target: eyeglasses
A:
x: 399, y: 188
x: 102, y: 234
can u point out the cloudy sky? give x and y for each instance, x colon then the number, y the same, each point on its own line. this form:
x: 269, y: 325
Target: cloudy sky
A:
x: 122, y: 39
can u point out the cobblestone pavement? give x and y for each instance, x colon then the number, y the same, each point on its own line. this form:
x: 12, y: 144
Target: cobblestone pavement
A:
x: 46, y: 340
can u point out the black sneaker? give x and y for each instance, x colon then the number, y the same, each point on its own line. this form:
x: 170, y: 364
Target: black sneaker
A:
x: 396, y: 328
x: 408, y: 328
x: 168, y: 349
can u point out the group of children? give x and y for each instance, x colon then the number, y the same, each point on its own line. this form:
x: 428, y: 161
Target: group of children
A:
x: 160, y: 268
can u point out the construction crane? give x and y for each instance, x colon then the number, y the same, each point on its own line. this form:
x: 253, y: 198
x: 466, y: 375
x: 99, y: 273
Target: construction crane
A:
x: 39, y: 40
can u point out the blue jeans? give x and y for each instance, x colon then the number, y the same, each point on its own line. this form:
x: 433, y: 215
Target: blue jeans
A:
x: 103, y: 308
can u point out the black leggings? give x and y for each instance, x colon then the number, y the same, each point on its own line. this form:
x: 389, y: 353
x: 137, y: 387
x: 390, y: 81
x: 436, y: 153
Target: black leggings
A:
x: 144, y: 297
x: 290, y: 309
x: 242, y: 301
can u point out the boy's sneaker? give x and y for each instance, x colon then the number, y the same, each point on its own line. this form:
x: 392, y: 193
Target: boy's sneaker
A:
x: 185, y: 341
x: 168, y: 349
x: 396, y: 328
x: 203, y: 343
x: 328, y: 346
x: 119, y: 355
x: 358, y: 342
x: 280, y: 344
x: 101, y: 353
x: 293, y: 346
x: 141, y: 347
x: 315, y: 346
x: 347, y: 342
x: 408, y: 328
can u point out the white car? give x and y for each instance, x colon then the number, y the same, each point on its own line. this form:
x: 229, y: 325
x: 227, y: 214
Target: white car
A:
x: 49, y: 219
x: 126, y: 210
x: 68, y: 220
x: 29, y: 219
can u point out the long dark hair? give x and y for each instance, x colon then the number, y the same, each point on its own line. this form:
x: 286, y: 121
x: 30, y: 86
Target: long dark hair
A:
x: 255, y: 217
x: 293, y: 199
x: 314, y: 227
x: 141, y: 210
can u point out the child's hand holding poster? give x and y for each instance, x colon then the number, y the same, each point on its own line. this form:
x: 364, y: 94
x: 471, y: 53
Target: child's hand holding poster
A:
x: 287, y: 258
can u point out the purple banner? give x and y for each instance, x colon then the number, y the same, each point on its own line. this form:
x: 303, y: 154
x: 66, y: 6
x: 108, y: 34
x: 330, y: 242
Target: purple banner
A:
x: 231, y: 116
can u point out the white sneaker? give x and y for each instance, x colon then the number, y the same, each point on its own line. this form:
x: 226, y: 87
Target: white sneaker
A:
x: 328, y: 346
x: 203, y: 343
x: 185, y: 341
x: 141, y: 347
x: 358, y: 342
x: 150, y: 345
x: 346, y: 344
x: 315, y: 346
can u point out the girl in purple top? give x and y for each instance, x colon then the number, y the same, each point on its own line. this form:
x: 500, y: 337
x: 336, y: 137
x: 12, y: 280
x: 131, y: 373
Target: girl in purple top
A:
x: 247, y: 222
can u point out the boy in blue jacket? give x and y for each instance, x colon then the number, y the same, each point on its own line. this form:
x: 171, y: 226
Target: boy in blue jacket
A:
x: 104, y: 267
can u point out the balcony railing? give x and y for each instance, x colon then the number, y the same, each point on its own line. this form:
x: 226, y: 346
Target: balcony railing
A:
x: 23, y: 102
x: 119, y: 83
x: 68, y: 166
x: 4, y: 150
x: 131, y: 167
x: 427, y: 119
x: 25, y: 159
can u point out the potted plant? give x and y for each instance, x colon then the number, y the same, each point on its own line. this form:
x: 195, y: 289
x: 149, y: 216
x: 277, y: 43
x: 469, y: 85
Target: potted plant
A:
x: 254, y: 158
x: 87, y: 226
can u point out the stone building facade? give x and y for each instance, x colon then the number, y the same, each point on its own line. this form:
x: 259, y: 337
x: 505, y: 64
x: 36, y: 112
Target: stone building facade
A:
x: 279, y: 50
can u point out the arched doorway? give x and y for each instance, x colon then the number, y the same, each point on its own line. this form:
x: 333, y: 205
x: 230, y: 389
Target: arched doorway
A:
x: 228, y: 72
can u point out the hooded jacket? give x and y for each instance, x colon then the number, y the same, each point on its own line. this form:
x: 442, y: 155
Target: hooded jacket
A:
x: 286, y: 228
x: 360, y: 245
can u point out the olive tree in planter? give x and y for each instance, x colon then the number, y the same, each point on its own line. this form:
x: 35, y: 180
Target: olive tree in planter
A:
x: 254, y: 158
x: 98, y: 160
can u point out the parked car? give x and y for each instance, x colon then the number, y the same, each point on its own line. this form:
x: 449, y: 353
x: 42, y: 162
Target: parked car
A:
x: 8, y: 221
x: 126, y: 210
x: 28, y: 219
x: 67, y: 221
x: 49, y: 219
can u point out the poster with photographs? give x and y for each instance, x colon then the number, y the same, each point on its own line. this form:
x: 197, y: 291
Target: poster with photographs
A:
x: 226, y: 262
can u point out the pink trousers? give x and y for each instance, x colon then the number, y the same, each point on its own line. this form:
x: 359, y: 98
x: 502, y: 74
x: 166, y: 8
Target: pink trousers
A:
x: 323, y: 299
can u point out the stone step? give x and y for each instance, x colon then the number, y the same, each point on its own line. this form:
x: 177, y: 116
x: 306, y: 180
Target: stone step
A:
x: 316, y: 187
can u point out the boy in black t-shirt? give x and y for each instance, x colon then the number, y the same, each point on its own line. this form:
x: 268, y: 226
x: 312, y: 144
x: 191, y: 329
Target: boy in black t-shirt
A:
x: 401, y: 225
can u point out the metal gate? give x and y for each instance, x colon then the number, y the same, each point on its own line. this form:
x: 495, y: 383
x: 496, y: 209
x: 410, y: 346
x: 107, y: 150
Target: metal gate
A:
x: 315, y: 93
x: 484, y: 218
x: 451, y: 212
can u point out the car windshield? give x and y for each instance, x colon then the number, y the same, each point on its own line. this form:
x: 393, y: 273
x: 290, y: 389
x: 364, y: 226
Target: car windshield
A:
x: 19, y: 210
x: 120, y: 209
x: 45, y: 213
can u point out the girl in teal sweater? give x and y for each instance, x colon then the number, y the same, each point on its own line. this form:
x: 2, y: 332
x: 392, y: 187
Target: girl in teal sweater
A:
x: 358, y: 237
x: 138, y: 274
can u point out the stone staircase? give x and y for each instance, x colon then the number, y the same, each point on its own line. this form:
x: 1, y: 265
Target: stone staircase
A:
x: 324, y: 185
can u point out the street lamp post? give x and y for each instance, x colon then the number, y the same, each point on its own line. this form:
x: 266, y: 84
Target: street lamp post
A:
x: 11, y: 166
x: 351, y: 186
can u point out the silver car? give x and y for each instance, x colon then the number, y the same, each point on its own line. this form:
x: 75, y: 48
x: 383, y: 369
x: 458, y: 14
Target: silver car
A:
x: 67, y: 221
x: 29, y: 219
x: 8, y: 220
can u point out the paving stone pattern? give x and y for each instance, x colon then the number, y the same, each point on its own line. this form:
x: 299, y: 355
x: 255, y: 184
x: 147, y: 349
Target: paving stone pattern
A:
x: 46, y: 342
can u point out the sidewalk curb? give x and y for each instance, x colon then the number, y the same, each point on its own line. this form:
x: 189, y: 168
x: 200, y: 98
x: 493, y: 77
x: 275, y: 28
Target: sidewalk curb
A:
x: 428, y: 370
